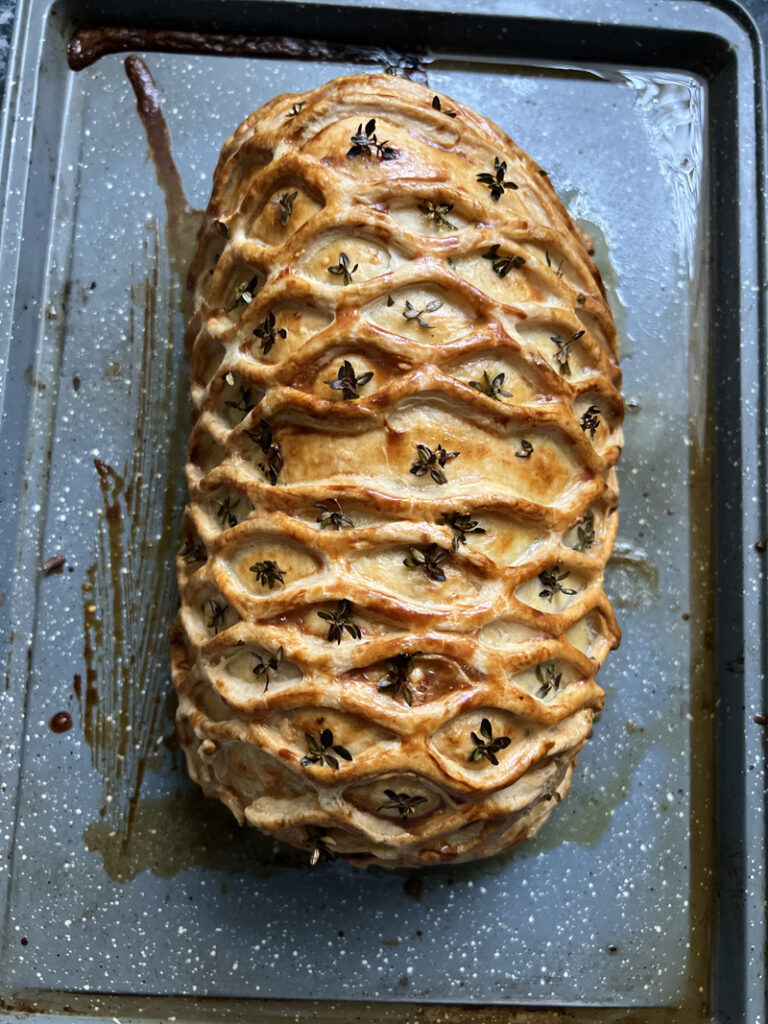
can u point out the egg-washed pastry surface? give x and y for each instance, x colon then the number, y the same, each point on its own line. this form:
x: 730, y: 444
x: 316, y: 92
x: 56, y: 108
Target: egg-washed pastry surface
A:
x: 406, y: 417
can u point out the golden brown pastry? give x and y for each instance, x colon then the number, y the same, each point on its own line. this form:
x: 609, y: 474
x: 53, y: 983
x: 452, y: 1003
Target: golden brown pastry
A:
x: 402, y: 496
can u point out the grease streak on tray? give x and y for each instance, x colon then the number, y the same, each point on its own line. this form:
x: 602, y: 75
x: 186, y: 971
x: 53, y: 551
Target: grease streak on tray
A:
x: 89, y: 45
x: 609, y: 906
x: 121, y: 719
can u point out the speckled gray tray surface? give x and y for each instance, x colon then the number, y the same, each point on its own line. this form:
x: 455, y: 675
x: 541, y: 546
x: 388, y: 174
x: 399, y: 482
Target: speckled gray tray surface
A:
x: 118, y: 881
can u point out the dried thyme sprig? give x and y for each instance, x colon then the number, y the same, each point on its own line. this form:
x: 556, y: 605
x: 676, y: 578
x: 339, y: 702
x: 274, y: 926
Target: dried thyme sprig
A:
x: 525, y: 451
x: 432, y: 462
x: 340, y: 620
x: 332, y: 518
x: 268, y: 573
x: 343, y: 269
x: 347, y: 382
x: 563, y: 353
x: 365, y: 139
x: 437, y: 212
x: 262, y: 668
x: 496, y: 182
x: 552, y: 579
x: 285, y: 202
x: 489, y: 745
x: 244, y: 292
x: 226, y: 510
x: 591, y: 421
x: 267, y: 333
x: 585, y: 532
x: 461, y: 523
x: 429, y: 559
x: 273, y: 461
x: 503, y: 264
x: 403, y: 803
x: 550, y: 679
x: 493, y: 388
x: 397, y: 681
x: 411, y: 313
x: 322, y: 750
x: 217, y: 613
x: 437, y: 105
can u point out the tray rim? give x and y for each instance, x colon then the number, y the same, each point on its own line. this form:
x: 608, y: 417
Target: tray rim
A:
x: 16, y: 132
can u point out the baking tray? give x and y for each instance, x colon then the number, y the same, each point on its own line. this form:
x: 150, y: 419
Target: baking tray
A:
x: 124, y: 895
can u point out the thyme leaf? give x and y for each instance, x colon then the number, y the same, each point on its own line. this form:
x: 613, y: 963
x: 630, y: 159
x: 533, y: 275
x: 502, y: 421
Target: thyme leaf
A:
x: 404, y: 804
x: 552, y: 579
x: 273, y: 461
x: 243, y: 403
x: 332, y: 518
x: 486, y: 744
x: 503, y: 264
x: 550, y: 679
x: 226, y: 510
x: 193, y: 551
x: 296, y: 109
x: 340, y: 620
x: 429, y: 559
x: 432, y: 462
x: 590, y: 421
x: 437, y: 105
x: 563, y: 353
x: 217, y: 612
x: 347, y: 382
x: 411, y: 313
x: 396, y: 681
x: 585, y: 531
x: 343, y: 269
x: 525, y: 451
x: 285, y: 202
x: 321, y: 845
x: 244, y: 292
x: 461, y: 523
x: 262, y: 668
x: 492, y: 388
x: 497, y: 182
x: 364, y: 140
x: 437, y: 212
x: 268, y: 334
x: 322, y: 750
x: 559, y: 271
x: 268, y: 573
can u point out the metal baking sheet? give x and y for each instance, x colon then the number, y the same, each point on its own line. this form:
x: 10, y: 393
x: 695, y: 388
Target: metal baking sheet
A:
x: 123, y: 893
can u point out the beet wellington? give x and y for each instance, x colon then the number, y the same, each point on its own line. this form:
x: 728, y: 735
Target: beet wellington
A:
x: 406, y: 419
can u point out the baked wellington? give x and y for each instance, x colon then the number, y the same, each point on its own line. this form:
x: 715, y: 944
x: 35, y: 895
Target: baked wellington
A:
x: 402, y: 490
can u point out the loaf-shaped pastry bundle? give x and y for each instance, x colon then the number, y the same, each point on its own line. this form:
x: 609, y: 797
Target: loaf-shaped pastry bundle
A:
x: 406, y: 415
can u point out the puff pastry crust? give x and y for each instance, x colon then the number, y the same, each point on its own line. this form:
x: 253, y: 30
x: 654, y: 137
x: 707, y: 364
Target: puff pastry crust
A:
x: 392, y: 604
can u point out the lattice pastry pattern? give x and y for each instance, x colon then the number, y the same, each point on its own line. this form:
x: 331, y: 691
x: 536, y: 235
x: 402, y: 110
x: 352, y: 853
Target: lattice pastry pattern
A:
x: 406, y: 417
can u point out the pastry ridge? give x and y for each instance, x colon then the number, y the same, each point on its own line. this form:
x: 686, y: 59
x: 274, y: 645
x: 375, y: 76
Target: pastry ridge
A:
x: 405, y: 421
